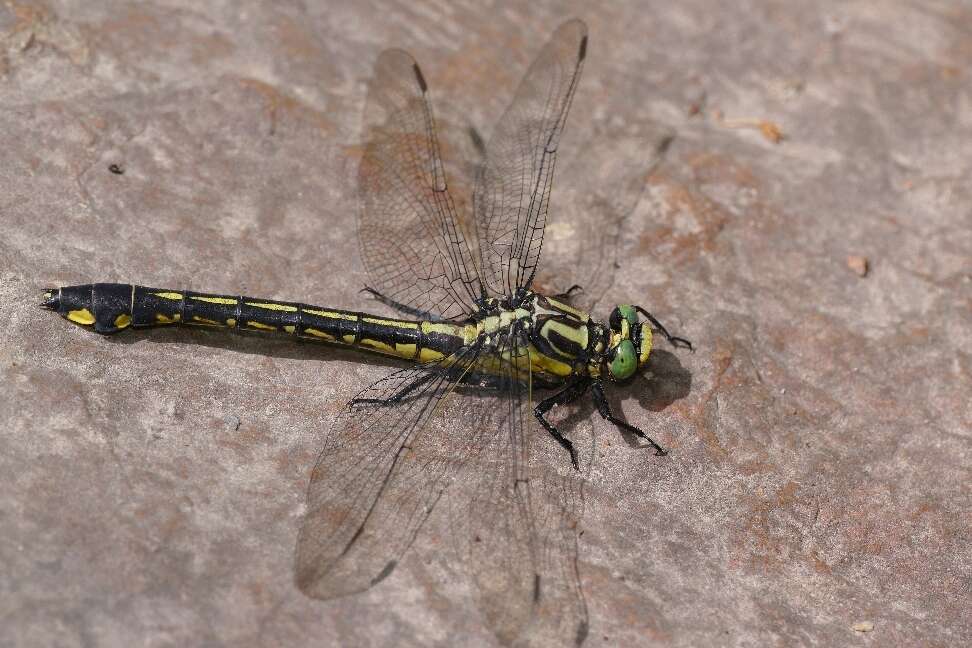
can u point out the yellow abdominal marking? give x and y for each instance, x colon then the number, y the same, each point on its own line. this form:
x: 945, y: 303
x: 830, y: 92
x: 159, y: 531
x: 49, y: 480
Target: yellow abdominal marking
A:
x: 203, y: 320
x: 435, y: 327
x: 348, y: 339
x: 82, y: 316
x: 231, y: 322
x: 169, y: 295
x: 261, y: 326
x: 330, y: 314
x: 272, y: 306
x: 216, y: 300
x: 468, y: 333
x: 320, y: 334
x: 430, y: 355
x: 379, y: 346
x: 165, y: 319
x: 384, y: 322
x: 290, y: 329
x: 405, y: 350
x: 123, y: 320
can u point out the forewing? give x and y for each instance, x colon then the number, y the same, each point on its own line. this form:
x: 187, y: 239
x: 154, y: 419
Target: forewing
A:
x: 411, y: 241
x: 515, y: 521
x: 586, y: 243
x: 513, y: 192
x: 376, y: 481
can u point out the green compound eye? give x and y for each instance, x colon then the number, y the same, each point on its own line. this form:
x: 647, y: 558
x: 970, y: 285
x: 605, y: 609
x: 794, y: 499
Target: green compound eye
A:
x: 625, y: 360
x: 624, y: 311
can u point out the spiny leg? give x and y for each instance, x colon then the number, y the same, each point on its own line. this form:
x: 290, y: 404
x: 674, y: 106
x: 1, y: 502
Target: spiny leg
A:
x: 673, y: 340
x: 570, y: 393
x: 600, y: 401
x: 567, y: 294
x: 398, y: 396
x: 400, y: 307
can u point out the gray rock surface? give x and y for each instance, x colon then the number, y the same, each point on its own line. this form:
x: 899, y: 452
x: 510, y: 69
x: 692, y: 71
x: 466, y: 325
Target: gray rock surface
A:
x: 818, y: 486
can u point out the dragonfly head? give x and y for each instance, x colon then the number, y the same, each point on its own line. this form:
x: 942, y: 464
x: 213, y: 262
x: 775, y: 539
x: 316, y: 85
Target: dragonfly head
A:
x: 630, y: 342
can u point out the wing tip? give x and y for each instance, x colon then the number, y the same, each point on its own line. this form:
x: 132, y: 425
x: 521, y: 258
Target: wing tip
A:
x: 418, y: 77
x: 384, y: 573
x: 582, y: 631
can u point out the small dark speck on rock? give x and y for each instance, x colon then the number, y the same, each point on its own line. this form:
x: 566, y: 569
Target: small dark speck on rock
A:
x: 117, y: 169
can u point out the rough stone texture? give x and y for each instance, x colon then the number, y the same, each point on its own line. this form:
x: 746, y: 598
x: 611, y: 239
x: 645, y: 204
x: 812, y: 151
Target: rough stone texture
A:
x: 818, y: 489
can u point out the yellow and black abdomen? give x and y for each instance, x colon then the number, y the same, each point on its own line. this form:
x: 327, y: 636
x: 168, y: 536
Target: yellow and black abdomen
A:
x: 109, y: 308
x: 105, y: 308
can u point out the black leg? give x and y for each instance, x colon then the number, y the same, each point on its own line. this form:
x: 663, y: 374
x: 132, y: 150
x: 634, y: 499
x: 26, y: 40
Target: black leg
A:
x: 567, y: 294
x: 398, y: 396
x: 600, y: 401
x: 570, y: 393
x: 676, y: 342
x: 400, y: 307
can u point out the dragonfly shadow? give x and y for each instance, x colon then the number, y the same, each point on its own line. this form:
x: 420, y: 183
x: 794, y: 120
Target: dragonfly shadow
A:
x: 254, y: 343
x: 667, y: 381
x: 664, y: 382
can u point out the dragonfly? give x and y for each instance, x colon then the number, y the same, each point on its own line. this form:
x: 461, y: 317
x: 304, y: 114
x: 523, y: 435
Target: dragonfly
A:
x: 478, y: 340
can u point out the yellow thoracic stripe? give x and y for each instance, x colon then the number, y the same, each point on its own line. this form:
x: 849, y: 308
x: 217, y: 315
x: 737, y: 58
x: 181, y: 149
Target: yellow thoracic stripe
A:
x: 567, y: 308
x: 576, y: 334
x: 543, y: 362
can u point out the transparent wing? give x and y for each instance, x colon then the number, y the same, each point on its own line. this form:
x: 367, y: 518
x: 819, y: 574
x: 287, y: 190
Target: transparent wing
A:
x: 512, y: 196
x: 390, y: 457
x: 585, y: 242
x: 411, y: 240
x: 376, y: 481
x: 515, y: 517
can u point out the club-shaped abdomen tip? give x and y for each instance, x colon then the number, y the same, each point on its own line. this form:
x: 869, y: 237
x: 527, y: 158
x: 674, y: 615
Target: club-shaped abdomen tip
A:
x: 52, y: 299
